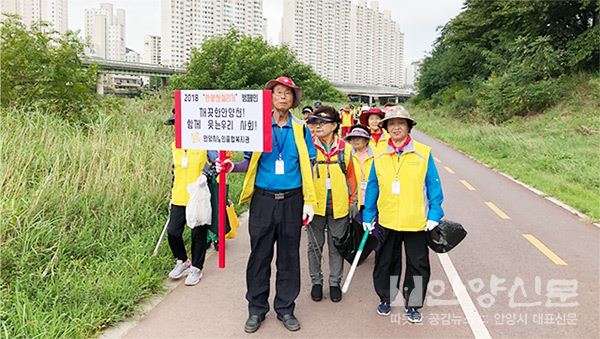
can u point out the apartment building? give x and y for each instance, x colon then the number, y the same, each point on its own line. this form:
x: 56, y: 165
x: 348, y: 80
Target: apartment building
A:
x: 152, y: 49
x: 105, y: 28
x: 345, y: 41
x: 54, y: 12
x: 319, y: 32
x: 187, y: 23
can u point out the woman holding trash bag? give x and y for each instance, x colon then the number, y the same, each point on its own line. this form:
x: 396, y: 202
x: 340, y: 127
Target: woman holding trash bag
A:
x: 188, y: 166
x: 404, y: 190
x: 335, y: 188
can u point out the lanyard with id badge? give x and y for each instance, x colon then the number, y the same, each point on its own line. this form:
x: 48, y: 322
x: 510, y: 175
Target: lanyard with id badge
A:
x: 184, y: 159
x: 329, y: 155
x: 363, y: 180
x: 396, y: 182
x: 279, y: 163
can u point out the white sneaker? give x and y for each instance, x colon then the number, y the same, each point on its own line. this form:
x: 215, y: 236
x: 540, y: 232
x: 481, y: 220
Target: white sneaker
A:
x: 194, y: 276
x: 179, y: 269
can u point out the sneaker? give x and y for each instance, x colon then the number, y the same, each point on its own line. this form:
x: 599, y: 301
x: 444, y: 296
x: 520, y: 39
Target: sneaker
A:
x: 384, y: 309
x: 413, y: 315
x: 194, y: 276
x: 179, y: 269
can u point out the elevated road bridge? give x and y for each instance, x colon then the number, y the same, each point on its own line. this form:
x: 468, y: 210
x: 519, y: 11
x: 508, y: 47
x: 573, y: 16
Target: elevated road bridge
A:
x: 371, y: 94
x: 356, y: 92
x: 117, y: 67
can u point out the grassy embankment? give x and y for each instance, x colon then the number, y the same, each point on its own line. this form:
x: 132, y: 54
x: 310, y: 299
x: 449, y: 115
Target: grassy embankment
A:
x: 80, y: 212
x: 557, y: 152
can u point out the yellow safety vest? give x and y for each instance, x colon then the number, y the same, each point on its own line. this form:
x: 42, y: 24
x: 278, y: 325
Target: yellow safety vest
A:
x: 347, y: 119
x: 196, y: 159
x: 362, y: 172
x: 406, y: 211
x: 308, y: 189
x: 380, y: 147
x: 340, y: 197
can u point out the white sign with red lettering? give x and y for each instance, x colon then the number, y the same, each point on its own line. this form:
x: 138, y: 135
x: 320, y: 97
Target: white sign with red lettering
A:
x: 228, y: 120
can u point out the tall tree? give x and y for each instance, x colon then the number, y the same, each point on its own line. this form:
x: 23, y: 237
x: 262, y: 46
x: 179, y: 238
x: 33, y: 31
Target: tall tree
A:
x: 238, y: 61
x: 40, y: 67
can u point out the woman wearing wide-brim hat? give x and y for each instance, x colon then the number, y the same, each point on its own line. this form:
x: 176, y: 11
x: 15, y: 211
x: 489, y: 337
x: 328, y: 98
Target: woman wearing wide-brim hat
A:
x: 405, y: 192
x: 362, y: 157
x: 379, y: 137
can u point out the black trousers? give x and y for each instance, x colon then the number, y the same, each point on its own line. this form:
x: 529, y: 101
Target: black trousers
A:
x: 175, y: 232
x: 274, y: 221
x: 388, y: 265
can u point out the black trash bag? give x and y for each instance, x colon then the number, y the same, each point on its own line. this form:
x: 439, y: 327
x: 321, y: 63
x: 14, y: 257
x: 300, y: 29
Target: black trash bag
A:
x: 445, y: 236
x: 348, y: 245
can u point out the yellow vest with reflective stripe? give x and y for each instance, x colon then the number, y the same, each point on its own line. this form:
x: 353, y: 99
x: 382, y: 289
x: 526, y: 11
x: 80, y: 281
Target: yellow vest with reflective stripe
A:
x: 340, y: 197
x: 185, y: 176
x: 362, y: 173
x: 380, y: 147
x: 406, y: 211
x: 308, y: 189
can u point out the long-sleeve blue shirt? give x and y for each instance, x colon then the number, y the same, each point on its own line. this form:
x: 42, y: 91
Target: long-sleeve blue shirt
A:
x: 284, y: 143
x: 432, y: 184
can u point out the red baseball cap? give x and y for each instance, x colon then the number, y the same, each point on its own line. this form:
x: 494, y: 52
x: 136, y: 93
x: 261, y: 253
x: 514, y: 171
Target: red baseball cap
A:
x: 288, y: 82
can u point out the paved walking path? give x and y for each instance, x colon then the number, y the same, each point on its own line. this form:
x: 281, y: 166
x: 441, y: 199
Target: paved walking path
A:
x: 530, y: 269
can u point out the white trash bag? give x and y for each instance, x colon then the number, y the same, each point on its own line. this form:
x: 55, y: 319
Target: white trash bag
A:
x: 198, y: 211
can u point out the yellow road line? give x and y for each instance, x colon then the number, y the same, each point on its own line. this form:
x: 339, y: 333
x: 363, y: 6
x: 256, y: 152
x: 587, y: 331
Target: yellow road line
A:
x: 436, y: 159
x: 551, y: 255
x: 467, y: 185
x: 449, y: 169
x: 497, y: 210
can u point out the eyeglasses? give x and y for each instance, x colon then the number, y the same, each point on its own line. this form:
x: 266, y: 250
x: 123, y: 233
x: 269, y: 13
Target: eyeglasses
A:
x: 321, y: 122
x: 286, y: 93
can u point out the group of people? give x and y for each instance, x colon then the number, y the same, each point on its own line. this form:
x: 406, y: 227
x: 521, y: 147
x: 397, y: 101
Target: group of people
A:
x: 323, y: 172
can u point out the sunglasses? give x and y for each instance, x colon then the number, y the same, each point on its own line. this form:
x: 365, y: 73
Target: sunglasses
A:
x: 320, y: 122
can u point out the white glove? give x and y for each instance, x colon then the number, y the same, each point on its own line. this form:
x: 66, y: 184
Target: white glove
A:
x: 368, y: 226
x: 225, y: 165
x: 431, y: 225
x: 307, y: 213
x: 203, y: 179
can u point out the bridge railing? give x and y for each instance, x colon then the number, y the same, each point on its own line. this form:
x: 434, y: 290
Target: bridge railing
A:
x: 131, y: 66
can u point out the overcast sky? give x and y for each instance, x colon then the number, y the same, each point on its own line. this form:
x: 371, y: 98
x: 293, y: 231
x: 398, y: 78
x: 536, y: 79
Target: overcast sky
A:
x: 418, y: 20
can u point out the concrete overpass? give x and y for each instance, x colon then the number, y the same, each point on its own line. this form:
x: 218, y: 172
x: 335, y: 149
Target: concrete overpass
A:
x: 129, y: 68
x: 371, y: 94
x: 355, y: 92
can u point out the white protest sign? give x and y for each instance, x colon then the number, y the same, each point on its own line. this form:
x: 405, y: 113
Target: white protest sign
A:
x: 228, y: 120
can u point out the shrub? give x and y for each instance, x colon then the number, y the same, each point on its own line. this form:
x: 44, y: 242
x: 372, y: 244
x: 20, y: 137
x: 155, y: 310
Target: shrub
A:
x: 40, y: 68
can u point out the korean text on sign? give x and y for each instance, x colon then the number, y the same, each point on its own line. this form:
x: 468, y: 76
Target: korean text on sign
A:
x: 233, y: 120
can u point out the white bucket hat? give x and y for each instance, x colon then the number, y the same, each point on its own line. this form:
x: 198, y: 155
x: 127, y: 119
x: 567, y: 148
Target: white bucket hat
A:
x: 395, y: 112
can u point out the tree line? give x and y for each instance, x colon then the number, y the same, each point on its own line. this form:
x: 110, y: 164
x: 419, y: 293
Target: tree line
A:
x: 41, y: 69
x: 498, y: 59
x: 238, y: 61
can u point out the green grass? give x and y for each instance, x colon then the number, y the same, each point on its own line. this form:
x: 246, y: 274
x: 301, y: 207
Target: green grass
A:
x: 80, y: 212
x: 557, y: 152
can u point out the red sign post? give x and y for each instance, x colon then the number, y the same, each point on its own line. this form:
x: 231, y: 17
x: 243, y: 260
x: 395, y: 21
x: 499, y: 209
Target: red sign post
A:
x: 225, y: 120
